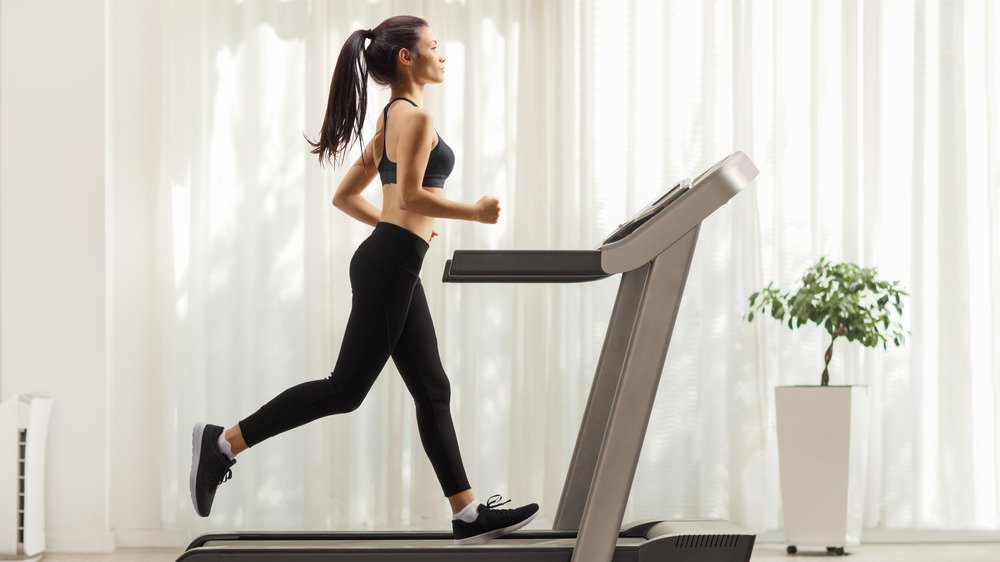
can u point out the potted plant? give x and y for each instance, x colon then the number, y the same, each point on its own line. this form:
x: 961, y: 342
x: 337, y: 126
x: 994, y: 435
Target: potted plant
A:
x: 822, y: 430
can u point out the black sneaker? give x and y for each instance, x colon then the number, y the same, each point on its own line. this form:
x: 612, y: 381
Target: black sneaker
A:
x: 492, y: 523
x: 209, y: 466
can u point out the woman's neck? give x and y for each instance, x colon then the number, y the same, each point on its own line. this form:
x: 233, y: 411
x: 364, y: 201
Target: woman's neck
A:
x: 413, y: 92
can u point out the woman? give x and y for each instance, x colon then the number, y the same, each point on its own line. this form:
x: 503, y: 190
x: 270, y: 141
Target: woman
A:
x: 389, y: 314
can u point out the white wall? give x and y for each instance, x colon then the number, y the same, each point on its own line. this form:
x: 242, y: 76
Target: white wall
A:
x: 76, y: 187
x: 133, y: 63
x: 53, y: 322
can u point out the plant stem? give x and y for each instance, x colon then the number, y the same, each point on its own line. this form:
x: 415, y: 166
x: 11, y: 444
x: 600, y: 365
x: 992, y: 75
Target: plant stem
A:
x: 829, y: 354
x: 826, y: 364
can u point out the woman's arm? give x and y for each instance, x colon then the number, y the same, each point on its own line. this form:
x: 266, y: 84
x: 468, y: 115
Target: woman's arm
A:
x: 348, y: 197
x: 429, y: 205
x: 359, y: 208
x: 412, y: 151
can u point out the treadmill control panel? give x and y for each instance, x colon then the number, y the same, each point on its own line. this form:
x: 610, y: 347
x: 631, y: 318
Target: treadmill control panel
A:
x: 650, y: 211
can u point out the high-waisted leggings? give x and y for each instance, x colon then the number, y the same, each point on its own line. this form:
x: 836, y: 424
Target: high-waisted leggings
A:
x: 389, y: 317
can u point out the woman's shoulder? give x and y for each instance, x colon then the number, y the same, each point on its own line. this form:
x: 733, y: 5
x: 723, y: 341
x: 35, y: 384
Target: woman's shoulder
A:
x: 417, y: 121
x: 417, y: 115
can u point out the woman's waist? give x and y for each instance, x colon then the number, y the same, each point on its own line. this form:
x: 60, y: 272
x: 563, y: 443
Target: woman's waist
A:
x: 420, y: 226
x: 395, y: 244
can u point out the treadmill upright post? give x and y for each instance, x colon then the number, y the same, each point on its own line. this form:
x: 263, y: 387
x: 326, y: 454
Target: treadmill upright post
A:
x: 633, y: 402
x: 594, y: 424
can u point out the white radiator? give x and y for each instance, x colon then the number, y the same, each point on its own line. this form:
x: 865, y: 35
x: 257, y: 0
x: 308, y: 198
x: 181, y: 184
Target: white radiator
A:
x: 24, y: 423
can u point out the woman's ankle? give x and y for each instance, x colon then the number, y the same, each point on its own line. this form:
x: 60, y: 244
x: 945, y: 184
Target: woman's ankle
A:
x: 235, y: 438
x: 460, y: 500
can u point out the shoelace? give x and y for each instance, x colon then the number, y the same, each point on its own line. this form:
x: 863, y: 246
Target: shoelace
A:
x: 226, y: 476
x: 493, y: 516
x: 491, y: 505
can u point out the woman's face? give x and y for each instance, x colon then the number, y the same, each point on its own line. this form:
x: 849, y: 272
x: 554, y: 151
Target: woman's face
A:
x: 429, y: 66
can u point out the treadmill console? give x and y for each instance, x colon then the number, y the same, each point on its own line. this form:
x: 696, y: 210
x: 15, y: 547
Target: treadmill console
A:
x: 661, y: 203
x: 711, y: 170
x: 664, y: 201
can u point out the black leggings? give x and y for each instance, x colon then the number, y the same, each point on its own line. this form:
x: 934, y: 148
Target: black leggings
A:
x: 389, y: 316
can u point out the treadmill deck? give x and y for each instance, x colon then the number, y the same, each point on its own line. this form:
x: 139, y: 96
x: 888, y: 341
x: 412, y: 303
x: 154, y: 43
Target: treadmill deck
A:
x: 423, y: 544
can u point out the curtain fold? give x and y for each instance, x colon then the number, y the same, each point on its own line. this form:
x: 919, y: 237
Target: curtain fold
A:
x: 876, y: 128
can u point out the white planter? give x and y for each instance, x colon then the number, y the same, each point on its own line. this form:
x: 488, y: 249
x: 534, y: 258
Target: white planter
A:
x: 822, y: 458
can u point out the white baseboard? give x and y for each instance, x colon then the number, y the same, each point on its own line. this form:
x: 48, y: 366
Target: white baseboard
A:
x: 153, y: 538
x: 80, y: 543
x: 899, y: 536
x: 122, y: 538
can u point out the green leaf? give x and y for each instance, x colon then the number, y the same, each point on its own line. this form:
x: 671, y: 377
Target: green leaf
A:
x: 843, y: 298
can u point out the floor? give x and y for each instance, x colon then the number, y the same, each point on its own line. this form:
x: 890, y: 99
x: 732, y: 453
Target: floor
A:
x: 927, y: 552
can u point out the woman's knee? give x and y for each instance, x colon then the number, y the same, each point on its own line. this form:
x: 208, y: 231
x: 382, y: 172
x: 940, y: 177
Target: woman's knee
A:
x: 343, y: 399
x: 438, y: 393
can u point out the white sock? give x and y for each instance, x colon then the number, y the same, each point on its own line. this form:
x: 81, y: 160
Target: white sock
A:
x: 225, y: 447
x: 469, y: 514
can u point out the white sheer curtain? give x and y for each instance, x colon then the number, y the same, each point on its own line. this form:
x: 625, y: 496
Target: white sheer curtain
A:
x: 876, y: 127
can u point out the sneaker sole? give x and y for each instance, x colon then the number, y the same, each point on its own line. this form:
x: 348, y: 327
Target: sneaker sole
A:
x: 197, y: 433
x: 485, y: 537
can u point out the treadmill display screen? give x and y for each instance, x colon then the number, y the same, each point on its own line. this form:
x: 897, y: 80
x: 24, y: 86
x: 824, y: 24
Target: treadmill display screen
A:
x: 709, y: 171
x: 648, y: 212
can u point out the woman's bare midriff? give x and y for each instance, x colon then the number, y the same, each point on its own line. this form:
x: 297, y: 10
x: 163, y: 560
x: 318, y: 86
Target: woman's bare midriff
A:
x: 421, y: 225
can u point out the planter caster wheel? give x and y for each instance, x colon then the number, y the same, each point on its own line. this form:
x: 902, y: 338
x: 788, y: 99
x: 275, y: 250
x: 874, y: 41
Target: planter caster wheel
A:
x: 838, y: 550
x: 791, y: 549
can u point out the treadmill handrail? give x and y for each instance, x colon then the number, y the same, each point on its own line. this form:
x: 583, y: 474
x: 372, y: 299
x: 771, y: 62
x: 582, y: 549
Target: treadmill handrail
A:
x: 524, y: 266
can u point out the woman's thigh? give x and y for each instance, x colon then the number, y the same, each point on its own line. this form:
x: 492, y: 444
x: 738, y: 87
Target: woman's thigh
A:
x: 416, y: 354
x: 376, y: 279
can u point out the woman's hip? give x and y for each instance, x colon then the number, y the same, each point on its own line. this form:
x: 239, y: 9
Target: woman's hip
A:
x: 393, y: 245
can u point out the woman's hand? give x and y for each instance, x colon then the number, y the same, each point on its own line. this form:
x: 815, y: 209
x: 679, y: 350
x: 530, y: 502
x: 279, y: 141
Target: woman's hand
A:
x: 433, y: 234
x: 486, y: 210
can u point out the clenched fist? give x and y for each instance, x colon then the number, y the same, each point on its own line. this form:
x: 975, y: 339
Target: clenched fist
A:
x: 487, y: 210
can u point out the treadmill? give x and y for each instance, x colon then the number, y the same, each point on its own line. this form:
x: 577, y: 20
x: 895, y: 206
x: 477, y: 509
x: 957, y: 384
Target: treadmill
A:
x: 653, y: 252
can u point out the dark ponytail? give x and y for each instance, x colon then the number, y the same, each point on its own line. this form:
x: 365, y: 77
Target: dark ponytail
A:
x: 348, y: 102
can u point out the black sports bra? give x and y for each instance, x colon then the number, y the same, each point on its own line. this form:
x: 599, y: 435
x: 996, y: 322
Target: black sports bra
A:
x: 440, y: 163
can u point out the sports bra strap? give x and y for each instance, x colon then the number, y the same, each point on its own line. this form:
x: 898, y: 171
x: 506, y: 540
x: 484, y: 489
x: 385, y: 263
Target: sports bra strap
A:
x: 385, y: 121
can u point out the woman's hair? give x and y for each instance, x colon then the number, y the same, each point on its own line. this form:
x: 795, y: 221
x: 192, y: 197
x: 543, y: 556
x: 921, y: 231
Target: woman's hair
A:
x: 348, y: 102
